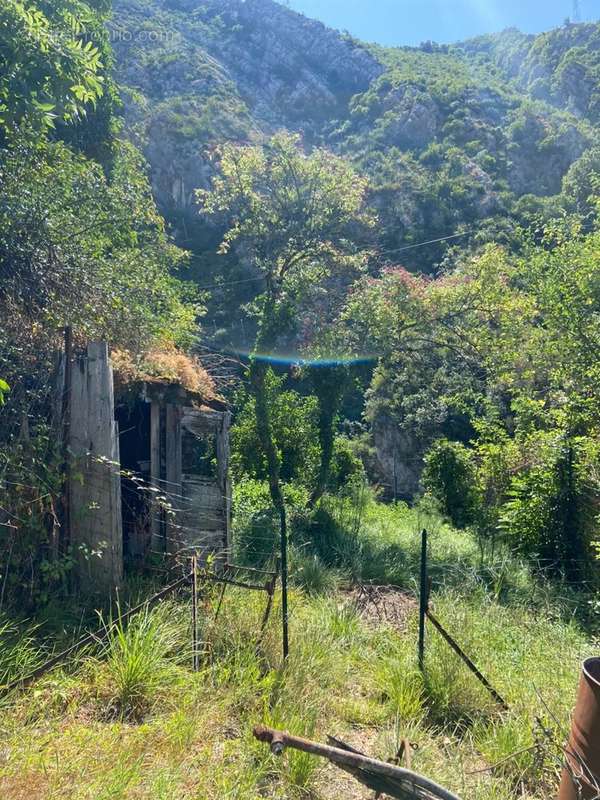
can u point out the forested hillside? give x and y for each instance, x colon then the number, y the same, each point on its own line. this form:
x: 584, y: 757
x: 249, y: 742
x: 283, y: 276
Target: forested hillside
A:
x: 489, y: 145
x: 452, y: 138
x: 369, y: 274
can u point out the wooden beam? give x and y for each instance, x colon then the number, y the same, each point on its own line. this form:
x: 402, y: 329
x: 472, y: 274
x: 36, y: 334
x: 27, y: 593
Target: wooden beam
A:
x: 94, y: 484
x: 158, y: 543
x: 173, y: 474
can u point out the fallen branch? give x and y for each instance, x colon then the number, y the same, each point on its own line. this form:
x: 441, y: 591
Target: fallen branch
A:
x: 377, y: 775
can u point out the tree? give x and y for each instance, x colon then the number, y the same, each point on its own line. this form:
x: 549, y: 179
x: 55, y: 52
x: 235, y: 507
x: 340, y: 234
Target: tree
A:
x: 328, y: 382
x: 294, y: 217
x: 77, y: 248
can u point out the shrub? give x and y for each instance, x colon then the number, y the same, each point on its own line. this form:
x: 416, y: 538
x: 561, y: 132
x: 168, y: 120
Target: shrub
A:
x: 450, y: 476
x: 549, y: 511
x: 346, y: 466
x: 294, y: 423
x: 255, y: 521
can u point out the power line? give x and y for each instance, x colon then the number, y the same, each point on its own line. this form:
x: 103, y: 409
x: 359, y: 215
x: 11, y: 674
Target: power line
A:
x: 402, y: 249
x: 423, y: 244
x: 223, y: 284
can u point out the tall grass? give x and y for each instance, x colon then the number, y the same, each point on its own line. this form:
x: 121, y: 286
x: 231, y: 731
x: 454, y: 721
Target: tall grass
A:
x: 20, y: 653
x: 309, y: 573
x: 140, y: 657
x: 345, y: 676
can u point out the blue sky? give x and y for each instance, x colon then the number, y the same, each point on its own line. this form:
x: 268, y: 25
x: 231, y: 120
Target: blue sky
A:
x: 398, y: 22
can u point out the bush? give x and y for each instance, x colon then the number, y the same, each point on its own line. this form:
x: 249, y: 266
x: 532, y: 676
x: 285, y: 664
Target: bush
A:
x: 450, y: 476
x: 332, y: 532
x: 549, y: 512
x: 294, y: 423
x: 256, y: 523
x: 346, y: 466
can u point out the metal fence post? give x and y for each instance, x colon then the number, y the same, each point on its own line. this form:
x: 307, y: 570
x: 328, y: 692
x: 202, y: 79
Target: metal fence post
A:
x: 284, y: 586
x: 195, y: 655
x: 423, y: 600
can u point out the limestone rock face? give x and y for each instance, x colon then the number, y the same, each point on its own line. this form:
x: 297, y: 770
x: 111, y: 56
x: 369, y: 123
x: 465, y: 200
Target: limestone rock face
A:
x: 399, y: 462
x: 413, y: 118
x: 200, y: 73
x: 441, y: 135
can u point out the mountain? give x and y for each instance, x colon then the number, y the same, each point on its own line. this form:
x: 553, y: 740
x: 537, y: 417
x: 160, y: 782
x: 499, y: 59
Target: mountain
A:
x: 478, y: 137
x: 560, y: 67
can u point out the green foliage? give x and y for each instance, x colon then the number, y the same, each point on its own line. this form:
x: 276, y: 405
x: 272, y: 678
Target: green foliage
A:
x: 31, y: 474
x: 346, y: 467
x: 294, y: 426
x: 450, y: 476
x: 255, y: 523
x: 48, y: 70
x: 549, y: 509
x: 311, y: 575
x: 81, y: 244
x: 291, y: 211
x: 402, y: 690
x: 581, y: 184
x: 451, y: 146
x: 498, y: 356
x: 82, y: 249
x: 349, y: 670
x: 295, y: 216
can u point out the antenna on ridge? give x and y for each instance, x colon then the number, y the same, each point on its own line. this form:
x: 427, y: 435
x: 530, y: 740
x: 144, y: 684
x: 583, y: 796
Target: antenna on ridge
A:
x: 576, y: 11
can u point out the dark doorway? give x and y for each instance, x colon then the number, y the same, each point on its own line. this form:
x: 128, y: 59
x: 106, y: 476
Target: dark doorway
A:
x: 134, y: 443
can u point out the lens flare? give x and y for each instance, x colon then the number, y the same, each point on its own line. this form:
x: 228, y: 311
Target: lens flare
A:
x: 296, y: 359
x: 305, y: 360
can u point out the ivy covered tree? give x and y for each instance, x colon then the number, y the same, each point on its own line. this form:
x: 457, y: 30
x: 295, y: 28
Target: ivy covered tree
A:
x: 81, y: 244
x: 294, y: 217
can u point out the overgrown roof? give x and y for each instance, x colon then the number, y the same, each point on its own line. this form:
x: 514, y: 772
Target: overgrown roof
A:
x: 168, y: 367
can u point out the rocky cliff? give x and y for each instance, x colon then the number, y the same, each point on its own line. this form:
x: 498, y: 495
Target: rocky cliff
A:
x: 197, y: 73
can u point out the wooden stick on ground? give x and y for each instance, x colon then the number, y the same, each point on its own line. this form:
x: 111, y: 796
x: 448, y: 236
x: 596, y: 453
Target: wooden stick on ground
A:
x: 386, y: 778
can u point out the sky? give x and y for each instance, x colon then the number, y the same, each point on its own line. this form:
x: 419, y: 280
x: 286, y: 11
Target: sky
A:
x: 409, y: 22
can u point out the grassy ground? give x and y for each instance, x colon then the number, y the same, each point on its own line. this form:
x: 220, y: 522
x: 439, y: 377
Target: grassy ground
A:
x: 132, y: 720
